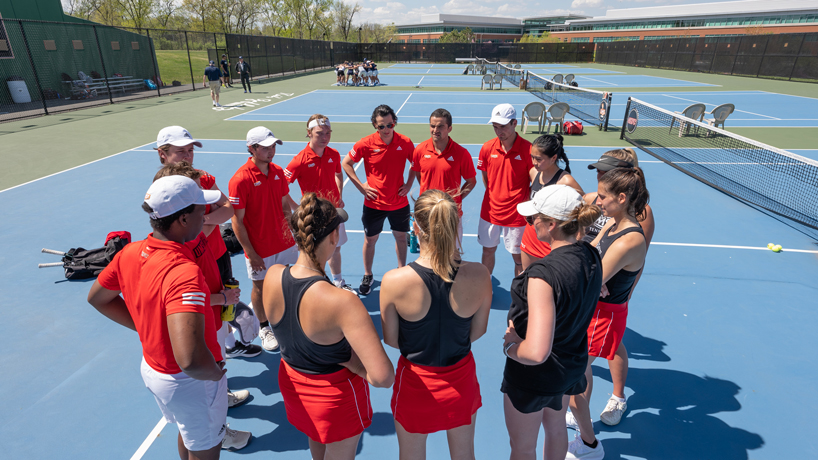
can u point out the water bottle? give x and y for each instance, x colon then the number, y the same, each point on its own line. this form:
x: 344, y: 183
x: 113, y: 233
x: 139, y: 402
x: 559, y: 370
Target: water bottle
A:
x: 413, y: 238
x: 229, y: 311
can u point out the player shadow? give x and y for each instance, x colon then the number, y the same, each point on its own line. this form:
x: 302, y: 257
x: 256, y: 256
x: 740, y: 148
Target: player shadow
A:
x: 644, y: 348
x: 501, y: 298
x: 671, y: 415
x: 266, y: 382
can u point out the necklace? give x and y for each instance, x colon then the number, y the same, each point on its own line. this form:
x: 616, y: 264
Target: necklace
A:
x: 310, y: 268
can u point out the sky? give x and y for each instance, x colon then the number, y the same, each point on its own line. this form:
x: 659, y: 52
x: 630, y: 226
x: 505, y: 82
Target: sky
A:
x: 409, y: 11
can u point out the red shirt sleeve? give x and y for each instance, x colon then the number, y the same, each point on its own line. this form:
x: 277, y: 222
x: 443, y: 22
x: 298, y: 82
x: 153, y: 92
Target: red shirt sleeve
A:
x: 238, y: 193
x: 337, y: 160
x: 482, y: 158
x: 358, y: 150
x: 109, y: 277
x: 284, y: 187
x: 415, y: 160
x: 293, y: 170
x: 185, y: 290
x: 206, y: 181
x: 467, y: 165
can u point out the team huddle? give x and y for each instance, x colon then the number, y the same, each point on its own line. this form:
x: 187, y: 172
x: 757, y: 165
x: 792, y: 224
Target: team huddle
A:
x: 357, y: 74
x: 577, y: 259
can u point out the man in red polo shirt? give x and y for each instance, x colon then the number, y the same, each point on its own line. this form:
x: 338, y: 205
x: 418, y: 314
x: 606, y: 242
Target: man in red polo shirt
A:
x: 442, y: 163
x: 505, y: 162
x: 165, y: 299
x: 317, y: 169
x: 385, y: 154
x: 260, y: 197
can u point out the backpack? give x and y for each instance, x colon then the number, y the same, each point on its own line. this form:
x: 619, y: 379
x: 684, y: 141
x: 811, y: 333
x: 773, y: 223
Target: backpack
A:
x: 574, y: 84
x: 230, y: 239
x: 150, y: 84
x: 81, y: 263
x: 572, y: 127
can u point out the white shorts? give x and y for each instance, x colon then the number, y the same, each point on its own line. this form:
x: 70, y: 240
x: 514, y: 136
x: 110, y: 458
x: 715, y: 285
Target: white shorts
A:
x: 374, y: 73
x: 488, y: 235
x: 285, y: 257
x: 198, y: 407
x: 221, y: 336
x: 342, y: 235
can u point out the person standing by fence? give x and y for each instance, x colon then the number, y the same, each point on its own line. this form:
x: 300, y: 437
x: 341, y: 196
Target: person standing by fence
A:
x: 225, y: 63
x: 243, y: 69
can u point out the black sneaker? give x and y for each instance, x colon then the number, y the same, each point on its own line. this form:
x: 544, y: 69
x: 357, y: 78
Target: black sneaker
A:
x: 366, y: 285
x: 241, y: 350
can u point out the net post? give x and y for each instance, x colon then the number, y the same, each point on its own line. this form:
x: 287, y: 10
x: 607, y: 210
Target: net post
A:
x: 608, y: 111
x: 33, y: 66
x: 625, y: 120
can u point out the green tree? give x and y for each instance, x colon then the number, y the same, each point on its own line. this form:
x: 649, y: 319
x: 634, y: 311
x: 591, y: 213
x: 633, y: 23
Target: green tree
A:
x: 458, y: 36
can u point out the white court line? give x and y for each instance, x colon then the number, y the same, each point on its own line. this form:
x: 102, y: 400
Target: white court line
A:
x: 430, y: 69
x: 404, y: 102
x: 346, y: 181
x: 742, y: 111
x: 269, y: 105
x: 421, y: 79
x: 75, y: 167
x: 146, y: 444
x: 601, y: 81
x: 784, y: 94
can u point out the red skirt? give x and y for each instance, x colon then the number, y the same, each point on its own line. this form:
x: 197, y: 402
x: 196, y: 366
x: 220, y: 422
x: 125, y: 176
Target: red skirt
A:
x: 606, y: 329
x: 327, y: 408
x: 532, y: 246
x: 428, y: 399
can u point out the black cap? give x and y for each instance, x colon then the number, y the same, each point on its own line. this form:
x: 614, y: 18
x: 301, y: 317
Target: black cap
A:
x: 240, y: 57
x: 607, y: 163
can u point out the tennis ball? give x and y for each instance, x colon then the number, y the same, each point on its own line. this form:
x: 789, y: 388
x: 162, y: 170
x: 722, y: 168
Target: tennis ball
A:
x: 777, y: 248
x: 770, y: 245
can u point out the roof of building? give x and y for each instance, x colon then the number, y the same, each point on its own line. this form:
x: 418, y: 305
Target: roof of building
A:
x: 439, y: 18
x: 743, y: 7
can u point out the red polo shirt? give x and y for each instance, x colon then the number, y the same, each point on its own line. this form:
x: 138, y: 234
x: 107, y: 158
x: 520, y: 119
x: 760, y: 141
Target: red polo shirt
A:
x: 260, y: 195
x: 205, y: 259
x: 217, y: 246
x: 384, y: 166
x: 157, y: 279
x: 316, y: 174
x: 508, y: 181
x: 445, y: 170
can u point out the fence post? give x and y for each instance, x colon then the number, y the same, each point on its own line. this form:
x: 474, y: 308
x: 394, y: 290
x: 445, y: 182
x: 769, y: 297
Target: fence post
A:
x: 104, y: 72
x: 190, y: 64
x: 281, y: 56
x: 33, y: 67
x: 155, y: 65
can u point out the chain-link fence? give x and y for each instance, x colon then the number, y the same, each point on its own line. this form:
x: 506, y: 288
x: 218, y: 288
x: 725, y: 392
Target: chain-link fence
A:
x: 785, y: 56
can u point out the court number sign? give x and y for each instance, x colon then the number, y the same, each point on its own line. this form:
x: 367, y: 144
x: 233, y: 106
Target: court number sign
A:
x: 633, y: 120
x: 603, y: 110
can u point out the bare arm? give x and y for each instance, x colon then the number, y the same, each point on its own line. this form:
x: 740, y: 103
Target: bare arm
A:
x: 339, y: 182
x: 357, y: 327
x: 348, y: 164
x: 467, y: 187
x: 569, y: 180
x: 628, y: 252
x: 256, y: 262
x: 110, y: 304
x: 542, y: 313
x: 485, y: 179
x: 389, y: 312
x: 482, y: 290
x: 186, y: 332
x: 648, y: 226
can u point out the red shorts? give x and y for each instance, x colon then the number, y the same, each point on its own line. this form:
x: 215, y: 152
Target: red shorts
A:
x: 532, y: 246
x: 428, y: 399
x: 327, y: 408
x: 606, y: 329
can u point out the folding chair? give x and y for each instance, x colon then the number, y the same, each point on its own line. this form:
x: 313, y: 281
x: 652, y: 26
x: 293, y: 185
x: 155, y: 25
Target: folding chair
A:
x: 470, y: 68
x: 720, y: 114
x: 556, y: 114
x: 693, y: 111
x: 487, y: 81
x: 569, y: 79
x: 498, y: 81
x: 534, y: 111
x: 557, y: 79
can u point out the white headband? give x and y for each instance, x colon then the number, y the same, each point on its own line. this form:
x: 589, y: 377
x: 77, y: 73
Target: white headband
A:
x: 319, y: 122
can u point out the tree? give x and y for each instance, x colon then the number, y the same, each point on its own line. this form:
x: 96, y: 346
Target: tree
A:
x: 137, y: 13
x: 458, y: 36
x: 199, y: 10
x: 343, y: 14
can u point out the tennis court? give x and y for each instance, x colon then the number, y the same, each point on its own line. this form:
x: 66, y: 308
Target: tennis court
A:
x: 420, y: 70
x: 608, y: 81
x: 720, y: 326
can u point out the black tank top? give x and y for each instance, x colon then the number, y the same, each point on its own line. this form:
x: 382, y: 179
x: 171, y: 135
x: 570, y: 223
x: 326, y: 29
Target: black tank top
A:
x: 297, y: 350
x: 620, y: 285
x: 441, y: 338
x: 536, y: 186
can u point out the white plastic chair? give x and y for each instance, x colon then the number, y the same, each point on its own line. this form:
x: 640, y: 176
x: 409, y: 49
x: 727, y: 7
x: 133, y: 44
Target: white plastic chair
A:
x: 470, y: 68
x: 693, y: 111
x: 534, y: 111
x: 556, y: 114
x: 498, y: 82
x: 569, y: 79
x: 518, y: 66
x: 557, y: 78
x: 720, y: 114
x: 487, y: 81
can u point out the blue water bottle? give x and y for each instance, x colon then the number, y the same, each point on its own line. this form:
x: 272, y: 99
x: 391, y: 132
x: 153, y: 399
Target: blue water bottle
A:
x: 413, y: 238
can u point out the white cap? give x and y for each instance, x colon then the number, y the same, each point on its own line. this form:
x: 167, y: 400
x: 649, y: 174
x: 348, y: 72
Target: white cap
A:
x: 261, y: 136
x: 555, y: 201
x: 171, y: 194
x: 175, y: 135
x: 503, y: 114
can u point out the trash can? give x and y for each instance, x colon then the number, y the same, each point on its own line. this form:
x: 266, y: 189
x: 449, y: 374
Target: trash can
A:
x: 19, y: 91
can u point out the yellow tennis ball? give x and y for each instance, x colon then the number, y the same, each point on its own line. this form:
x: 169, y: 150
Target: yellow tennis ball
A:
x: 770, y: 245
x: 777, y: 248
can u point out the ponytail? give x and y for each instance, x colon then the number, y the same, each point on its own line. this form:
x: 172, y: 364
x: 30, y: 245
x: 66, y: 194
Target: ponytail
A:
x: 437, y: 217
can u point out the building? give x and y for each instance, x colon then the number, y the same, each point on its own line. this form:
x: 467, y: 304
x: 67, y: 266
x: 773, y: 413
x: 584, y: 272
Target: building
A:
x: 432, y: 26
x: 721, y: 19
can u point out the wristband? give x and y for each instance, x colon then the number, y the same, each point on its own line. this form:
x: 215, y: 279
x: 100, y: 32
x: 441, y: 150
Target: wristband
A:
x: 508, y: 347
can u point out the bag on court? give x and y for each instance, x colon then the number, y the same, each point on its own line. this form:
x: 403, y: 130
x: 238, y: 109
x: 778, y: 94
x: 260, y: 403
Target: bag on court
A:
x: 230, y: 239
x: 572, y: 127
x: 246, y: 323
x: 81, y: 263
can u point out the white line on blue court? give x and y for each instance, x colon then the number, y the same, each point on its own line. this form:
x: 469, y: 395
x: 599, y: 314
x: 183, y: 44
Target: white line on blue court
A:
x: 269, y: 105
x: 404, y: 102
x: 146, y: 444
x: 601, y: 81
x: 421, y: 79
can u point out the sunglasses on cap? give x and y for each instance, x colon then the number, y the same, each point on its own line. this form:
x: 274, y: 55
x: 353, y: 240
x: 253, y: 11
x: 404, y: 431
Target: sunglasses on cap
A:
x: 389, y: 126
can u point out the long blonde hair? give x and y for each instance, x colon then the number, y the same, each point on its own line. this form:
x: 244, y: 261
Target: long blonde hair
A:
x: 436, y: 215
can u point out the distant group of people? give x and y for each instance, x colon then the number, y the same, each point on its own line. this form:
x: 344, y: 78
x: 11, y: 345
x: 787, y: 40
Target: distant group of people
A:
x: 363, y: 73
x: 577, y: 260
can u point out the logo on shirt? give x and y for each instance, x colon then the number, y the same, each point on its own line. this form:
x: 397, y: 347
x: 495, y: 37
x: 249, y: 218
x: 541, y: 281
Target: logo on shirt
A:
x: 427, y: 156
x: 494, y: 156
x: 234, y: 200
x: 277, y: 178
x: 257, y: 184
x: 329, y: 161
x: 288, y: 173
x: 450, y: 159
x: 376, y: 150
x: 311, y: 165
x: 193, y: 298
x: 517, y: 157
x: 399, y: 148
x: 144, y: 255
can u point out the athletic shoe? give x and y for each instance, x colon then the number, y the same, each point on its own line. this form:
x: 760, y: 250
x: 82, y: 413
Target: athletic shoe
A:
x: 251, y: 91
x: 366, y: 285
x: 245, y: 91
x: 570, y: 420
x: 241, y: 350
x: 237, y: 398
x: 613, y: 412
x: 218, y: 105
x: 268, y: 339
x: 343, y: 285
x: 235, y: 439
x: 579, y: 450
x: 214, y: 103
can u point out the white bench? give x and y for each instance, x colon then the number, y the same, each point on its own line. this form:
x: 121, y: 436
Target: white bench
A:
x: 82, y: 88
x: 465, y: 59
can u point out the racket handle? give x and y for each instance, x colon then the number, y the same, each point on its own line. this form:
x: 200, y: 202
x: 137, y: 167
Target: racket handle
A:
x: 51, y: 264
x: 52, y: 251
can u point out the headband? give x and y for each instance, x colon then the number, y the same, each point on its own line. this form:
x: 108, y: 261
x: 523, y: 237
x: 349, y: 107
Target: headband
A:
x: 341, y: 216
x: 319, y: 122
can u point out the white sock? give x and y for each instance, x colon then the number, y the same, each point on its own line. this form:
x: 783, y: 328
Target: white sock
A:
x: 337, y: 278
x: 618, y: 398
x: 230, y: 340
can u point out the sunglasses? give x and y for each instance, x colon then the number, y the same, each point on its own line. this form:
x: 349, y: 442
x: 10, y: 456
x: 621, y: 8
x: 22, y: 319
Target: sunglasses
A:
x: 530, y: 220
x: 389, y: 126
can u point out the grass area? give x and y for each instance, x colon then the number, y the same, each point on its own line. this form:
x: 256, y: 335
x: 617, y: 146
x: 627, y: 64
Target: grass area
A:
x: 174, y: 65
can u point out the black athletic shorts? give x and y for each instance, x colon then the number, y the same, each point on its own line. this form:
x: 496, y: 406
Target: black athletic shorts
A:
x: 225, y: 265
x: 528, y: 403
x: 340, y: 72
x: 373, y: 220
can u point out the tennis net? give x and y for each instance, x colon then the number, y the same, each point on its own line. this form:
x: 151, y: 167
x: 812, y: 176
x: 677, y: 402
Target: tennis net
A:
x: 767, y: 177
x: 509, y: 74
x: 588, y: 105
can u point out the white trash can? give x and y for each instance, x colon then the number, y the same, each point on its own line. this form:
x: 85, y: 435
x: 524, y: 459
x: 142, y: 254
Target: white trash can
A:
x: 19, y: 92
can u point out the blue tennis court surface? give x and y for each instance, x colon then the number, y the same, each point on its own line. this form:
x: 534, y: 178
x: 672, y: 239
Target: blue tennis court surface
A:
x: 753, y: 108
x: 721, y: 330
x: 611, y: 82
x: 459, y: 70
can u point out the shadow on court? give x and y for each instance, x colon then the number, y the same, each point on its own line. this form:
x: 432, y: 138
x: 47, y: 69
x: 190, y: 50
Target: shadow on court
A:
x: 266, y: 381
x: 501, y: 298
x: 671, y: 415
x: 644, y: 348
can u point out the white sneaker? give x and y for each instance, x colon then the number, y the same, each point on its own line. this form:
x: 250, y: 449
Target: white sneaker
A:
x: 571, y: 421
x: 218, y: 105
x: 214, y: 103
x: 613, y: 412
x: 343, y: 285
x: 268, y: 339
x: 579, y: 450
x: 237, y: 398
x: 235, y: 439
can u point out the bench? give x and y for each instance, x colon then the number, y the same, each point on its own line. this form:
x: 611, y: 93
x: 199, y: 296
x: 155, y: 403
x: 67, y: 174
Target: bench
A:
x: 465, y: 59
x: 82, y: 89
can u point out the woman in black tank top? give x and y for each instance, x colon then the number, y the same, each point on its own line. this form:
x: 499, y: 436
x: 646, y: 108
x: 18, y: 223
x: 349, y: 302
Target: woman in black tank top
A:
x: 432, y: 310
x: 329, y: 346
x: 622, y: 195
